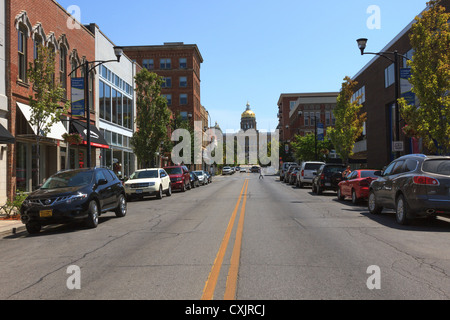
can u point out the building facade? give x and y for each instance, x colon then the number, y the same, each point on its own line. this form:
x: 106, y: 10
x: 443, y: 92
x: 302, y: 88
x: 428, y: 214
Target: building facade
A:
x: 29, y: 24
x: 376, y: 84
x: 114, y: 83
x: 179, y: 65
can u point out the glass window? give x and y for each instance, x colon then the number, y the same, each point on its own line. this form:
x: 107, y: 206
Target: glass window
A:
x: 119, y: 108
x: 101, y: 98
x: 22, y: 52
x: 183, y: 63
x: 114, y: 106
x: 148, y: 64
x: 410, y: 165
x: 183, y: 82
x: 107, y: 102
x: 183, y: 99
x: 165, y: 64
x: 389, y: 75
x: 167, y: 82
x: 388, y: 170
x: 439, y: 166
x: 306, y: 118
x: 168, y: 98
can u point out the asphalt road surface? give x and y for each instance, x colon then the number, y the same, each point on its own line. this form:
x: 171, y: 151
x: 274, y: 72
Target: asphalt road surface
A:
x: 241, y: 238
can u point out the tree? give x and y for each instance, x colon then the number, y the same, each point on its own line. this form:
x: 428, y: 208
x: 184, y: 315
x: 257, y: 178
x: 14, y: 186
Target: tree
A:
x: 152, y: 117
x: 430, y: 80
x: 349, y: 121
x: 305, y: 148
x: 46, y: 108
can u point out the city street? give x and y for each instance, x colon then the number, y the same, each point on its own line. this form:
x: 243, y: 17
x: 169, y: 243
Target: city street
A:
x: 241, y: 238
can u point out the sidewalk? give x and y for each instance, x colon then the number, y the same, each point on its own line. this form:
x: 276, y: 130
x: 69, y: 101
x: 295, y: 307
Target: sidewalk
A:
x: 8, y: 227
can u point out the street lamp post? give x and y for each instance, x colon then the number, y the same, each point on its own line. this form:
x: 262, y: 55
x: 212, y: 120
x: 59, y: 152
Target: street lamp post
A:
x: 118, y: 51
x: 362, y: 43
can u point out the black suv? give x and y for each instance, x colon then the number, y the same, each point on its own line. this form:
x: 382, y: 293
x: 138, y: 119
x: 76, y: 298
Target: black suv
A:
x: 73, y: 195
x: 414, y: 186
x: 328, y: 177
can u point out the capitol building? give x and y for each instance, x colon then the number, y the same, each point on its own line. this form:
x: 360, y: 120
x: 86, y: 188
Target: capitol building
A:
x: 246, y: 140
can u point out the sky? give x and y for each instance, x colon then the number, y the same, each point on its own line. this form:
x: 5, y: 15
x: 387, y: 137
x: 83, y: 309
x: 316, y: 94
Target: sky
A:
x: 255, y: 50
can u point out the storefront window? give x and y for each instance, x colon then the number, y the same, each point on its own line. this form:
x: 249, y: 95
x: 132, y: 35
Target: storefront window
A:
x: 21, y: 166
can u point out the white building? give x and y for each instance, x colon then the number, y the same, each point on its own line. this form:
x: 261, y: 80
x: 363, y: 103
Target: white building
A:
x: 115, y: 102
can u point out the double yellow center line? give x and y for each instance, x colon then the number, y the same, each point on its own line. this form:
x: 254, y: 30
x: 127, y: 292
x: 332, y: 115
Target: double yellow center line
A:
x: 210, y: 285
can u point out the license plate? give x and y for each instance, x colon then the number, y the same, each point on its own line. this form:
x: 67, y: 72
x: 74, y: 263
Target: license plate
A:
x: 45, y: 213
x: 139, y: 191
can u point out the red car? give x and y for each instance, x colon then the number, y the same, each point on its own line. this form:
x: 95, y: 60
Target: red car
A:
x: 356, y: 185
x: 179, y: 177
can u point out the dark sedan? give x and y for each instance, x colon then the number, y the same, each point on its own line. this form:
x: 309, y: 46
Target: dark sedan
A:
x: 414, y: 186
x: 79, y: 194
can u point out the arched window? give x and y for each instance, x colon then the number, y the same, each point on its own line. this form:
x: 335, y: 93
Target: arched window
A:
x: 23, y: 26
x: 38, y: 39
x: 63, y: 49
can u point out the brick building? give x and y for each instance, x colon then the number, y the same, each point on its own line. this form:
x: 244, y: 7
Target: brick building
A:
x: 376, y: 84
x: 179, y: 64
x: 30, y: 23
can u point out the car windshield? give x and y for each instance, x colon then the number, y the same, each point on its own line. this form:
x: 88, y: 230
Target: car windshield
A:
x: 176, y: 170
x: 69, y: 179
x: 198, y: 172
x: 439, y: 166
x: 312, y: 166
x: 334, y: 169
x: 368, y: 174
x: 144, y: 174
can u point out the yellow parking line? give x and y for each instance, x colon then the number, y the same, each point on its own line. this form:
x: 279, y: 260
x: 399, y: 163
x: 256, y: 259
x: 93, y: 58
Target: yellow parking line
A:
x: 230, y: 290
x: 210, y: 285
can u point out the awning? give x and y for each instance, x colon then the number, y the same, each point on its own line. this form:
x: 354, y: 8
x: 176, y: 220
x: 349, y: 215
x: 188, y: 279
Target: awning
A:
x: 6, y: 136
x: 56, y: 130
x: 97, y: 140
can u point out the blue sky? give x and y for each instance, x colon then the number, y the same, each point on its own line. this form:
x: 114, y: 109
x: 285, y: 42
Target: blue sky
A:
x: 254, y: 50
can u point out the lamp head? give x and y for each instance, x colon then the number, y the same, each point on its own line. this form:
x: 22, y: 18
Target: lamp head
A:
x: 362, y: 42
x: 118, y: 51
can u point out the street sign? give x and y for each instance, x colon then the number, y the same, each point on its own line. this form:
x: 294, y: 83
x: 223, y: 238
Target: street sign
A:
x: 77, y: 92
x: 397, y: 146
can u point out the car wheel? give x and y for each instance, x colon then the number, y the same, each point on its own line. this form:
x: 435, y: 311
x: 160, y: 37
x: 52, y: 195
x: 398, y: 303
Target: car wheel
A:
x: 92, y: 219
x: 401, y: 210
x: 33, y: 227
x: 159, y: 195
x: 372, y: 204
x: 313, y: 189
x: 339, y: 194
x: 169, y: 190
x: 121, y: 209
x: 354, y: 197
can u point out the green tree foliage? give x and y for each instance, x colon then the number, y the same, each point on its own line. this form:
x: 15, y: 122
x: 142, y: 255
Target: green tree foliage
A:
x: 430, y: 68
x: 152, y: 117
x: 349, y: 121
x: 46, y: 106
x: 305, y: 148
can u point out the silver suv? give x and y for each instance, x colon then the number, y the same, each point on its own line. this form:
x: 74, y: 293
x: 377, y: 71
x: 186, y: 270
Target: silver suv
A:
x: 307, y: 172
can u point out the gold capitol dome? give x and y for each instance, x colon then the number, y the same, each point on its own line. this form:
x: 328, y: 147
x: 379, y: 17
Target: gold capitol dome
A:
x: 248, y: 113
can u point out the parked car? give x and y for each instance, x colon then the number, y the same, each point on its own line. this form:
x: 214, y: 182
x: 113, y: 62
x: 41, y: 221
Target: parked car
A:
x: 356, y: 185
x: 233, y: 170
x: 308, y: 171
x: 243, y: 170
x: 179, y: 177
x: 226, y: 170
x: 327, y: 178
x: 415, y: 186
x: 293, y: 176
x: 254, y: 169
x: 195, y: 182
x: 284, y: 167
x: 78, y: 194
x: 148, y: 182
x: 287, y: 175
x: 203, y: 179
